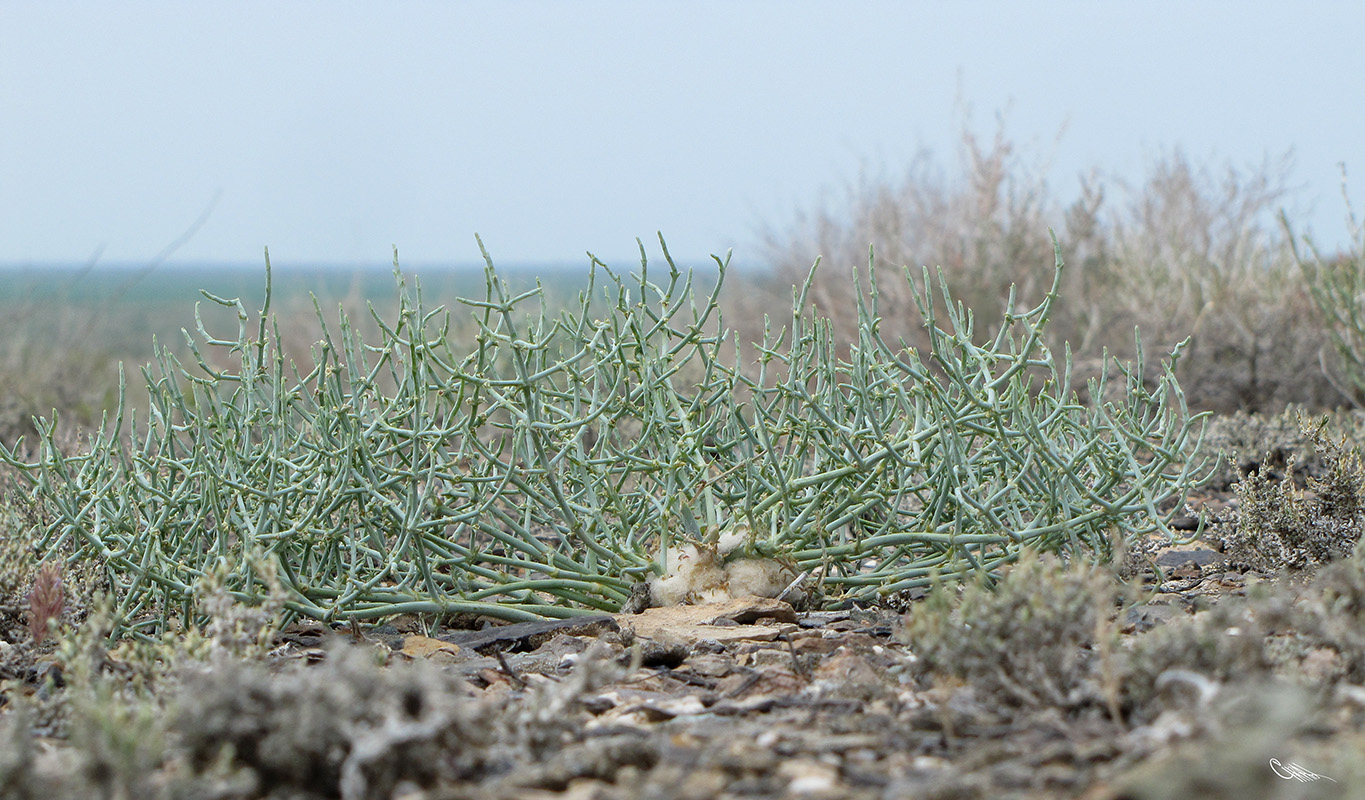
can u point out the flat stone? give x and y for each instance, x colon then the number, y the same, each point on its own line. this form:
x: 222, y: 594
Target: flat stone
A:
x: 1198, y: 556
x: 727, y: 621
x: 1148, y: 616
x: 417, y: 646
x: 529, y: 635
x: 820, y: 619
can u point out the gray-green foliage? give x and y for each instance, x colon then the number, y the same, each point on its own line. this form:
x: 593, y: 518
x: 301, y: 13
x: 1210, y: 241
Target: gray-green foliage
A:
x: 1337, y: 284
x: 1277, y: 524
x: 543, y: 467
x: 315, y: 731
x: 1030, y: 641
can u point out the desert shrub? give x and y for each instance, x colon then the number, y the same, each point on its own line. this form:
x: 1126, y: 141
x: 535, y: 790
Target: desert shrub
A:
x: 1268, y: 442
x: 347, y: 722
x: 1047, y: 635
x: 1188, y: 251
x: 550, y: 464
x: 1304, y: 633
x: 353, y: 728
x: 1196, y: 252
x: 357, y: 725
x: 1336, y: 283
x: 1225, y: 643
x: 1332, y: 615
x: 986, y: 230
x: 1031, y: 641
x: 1279, y: 525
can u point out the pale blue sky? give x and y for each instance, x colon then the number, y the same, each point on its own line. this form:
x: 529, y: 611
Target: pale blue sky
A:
x: 331, y: 131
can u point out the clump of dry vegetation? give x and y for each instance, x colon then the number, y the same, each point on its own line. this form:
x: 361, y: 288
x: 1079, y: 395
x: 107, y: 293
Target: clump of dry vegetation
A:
x: 1267, y: 443
x: 1031, y: 641
x: 177, y: 719
x: 1282, y: 525
x: 1048, y: 636
x: 1190, y: 250
x: 348, y: 729
x: 1337, y: 284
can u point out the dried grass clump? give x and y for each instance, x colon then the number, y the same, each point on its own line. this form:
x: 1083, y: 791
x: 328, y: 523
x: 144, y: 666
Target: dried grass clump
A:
x: 986, y: 228
x: 1031, y: 641
x: 1337, y: 283
x: 200, y: 714
x: 46, y: 600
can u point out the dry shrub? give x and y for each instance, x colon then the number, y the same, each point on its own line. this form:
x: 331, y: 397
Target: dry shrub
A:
x: 1225, y: 643
x: 986, y: 229
x: 1246, y: 443
x: 1028, y: 642
x: 350, y: 728
x: 1278, y: 524
x: 1333, y: 616
x: 1337, y: 285
x: 1197, y: 253
x: 311, y: 730
x: 1188, y: 251
x: 1046, y: 636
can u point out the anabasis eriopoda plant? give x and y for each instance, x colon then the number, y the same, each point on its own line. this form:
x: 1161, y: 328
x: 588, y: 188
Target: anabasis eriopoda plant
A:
x: 534, y: 464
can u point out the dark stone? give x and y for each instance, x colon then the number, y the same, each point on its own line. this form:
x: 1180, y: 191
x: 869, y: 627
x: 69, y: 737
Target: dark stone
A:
x: 524, y: 636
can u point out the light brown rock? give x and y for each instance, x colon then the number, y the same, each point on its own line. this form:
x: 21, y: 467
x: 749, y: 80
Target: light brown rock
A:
x: 694, y: 623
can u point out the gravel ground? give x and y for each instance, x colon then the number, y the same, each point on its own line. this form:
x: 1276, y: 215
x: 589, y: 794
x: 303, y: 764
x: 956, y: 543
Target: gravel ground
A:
x: 1200, y: 671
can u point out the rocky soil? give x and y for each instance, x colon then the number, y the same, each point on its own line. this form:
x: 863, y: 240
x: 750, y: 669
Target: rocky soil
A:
x: 745, y: 699
x: 1194, y: 671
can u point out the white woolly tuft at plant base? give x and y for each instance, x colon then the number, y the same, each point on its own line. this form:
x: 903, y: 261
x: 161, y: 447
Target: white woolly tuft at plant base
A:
x: 554, y: 464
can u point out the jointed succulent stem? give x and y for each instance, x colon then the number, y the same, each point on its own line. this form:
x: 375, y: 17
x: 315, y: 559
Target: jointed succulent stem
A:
x: 541, y: 467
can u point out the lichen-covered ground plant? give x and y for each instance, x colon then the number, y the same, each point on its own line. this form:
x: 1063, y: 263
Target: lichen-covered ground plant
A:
x: 547, y: 466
